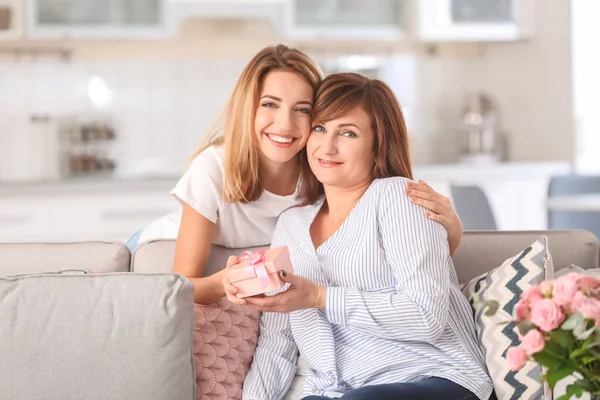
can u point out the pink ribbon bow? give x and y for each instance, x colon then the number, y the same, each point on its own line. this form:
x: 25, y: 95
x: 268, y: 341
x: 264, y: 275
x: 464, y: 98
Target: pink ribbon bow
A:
x: 256, y: 264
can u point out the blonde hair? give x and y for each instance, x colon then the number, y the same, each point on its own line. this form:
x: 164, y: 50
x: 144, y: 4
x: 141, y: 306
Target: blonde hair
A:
x: 242, y: 181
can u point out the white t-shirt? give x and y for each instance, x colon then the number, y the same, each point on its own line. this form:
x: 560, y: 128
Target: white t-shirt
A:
x: 237, y: 225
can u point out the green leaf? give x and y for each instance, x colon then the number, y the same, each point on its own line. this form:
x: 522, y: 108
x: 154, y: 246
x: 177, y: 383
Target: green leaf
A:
x: 492, y: 307
x: 555, y: 375
x: 584, y: 385
x: 575, y: 390
x: 588, y: 360
x: 557, y: 349
x: 564, y: 338
x: 574, y: 321
x: 578, y: 353
x: 548, y: 360
x: 524, y: 327
x: 596, y: 337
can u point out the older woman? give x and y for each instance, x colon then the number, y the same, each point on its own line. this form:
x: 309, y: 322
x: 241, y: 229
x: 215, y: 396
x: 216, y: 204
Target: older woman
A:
x: 374, y: 304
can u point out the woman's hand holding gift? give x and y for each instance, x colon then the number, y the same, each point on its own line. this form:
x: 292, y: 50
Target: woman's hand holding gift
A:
x: 230, y: 290
x: 302, y: 293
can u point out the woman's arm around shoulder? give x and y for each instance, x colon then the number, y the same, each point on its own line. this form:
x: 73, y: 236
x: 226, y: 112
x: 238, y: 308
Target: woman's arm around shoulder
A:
x: 438, y: 208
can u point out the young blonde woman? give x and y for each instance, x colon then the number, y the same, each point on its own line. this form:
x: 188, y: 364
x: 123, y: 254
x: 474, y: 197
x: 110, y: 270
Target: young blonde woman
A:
x: 236, y: 188
x: 373, y: 304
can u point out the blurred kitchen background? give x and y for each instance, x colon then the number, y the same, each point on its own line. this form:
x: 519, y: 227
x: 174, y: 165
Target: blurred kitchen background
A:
x: 103, y: 101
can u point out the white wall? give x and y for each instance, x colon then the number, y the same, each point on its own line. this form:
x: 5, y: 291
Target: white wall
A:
x: 532, y: 83
x: 586, y: 84
x: 167, y: 93
x: 443, y: 83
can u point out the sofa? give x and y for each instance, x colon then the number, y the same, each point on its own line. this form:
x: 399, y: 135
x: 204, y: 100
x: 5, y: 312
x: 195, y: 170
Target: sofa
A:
x: 479, y: 252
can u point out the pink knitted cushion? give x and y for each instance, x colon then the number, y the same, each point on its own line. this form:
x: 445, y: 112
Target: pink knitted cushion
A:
x: 225, y: 337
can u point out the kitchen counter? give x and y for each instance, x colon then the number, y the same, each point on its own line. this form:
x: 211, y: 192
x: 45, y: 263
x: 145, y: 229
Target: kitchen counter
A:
x: 90, y: 185
x: 113, y: 208
x: 456, y: 173
x: 460, y: 173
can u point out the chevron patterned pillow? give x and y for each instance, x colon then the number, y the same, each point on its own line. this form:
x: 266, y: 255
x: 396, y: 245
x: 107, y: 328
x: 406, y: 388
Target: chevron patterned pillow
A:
x: 505, y: 285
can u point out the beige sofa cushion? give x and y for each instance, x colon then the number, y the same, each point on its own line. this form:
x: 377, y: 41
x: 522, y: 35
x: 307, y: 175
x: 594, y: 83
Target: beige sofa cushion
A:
x: 27, y: 258
x: 157, y: 256
x: 480, y: 251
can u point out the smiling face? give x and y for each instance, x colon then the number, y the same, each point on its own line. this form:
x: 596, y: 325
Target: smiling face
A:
x: 282, y: 120
x: 340, y: 151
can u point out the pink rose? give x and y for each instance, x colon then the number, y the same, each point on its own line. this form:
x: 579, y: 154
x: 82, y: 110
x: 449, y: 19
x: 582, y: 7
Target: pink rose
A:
x: 588, y: 283
x: 565, y: 289
x: 590, y: 308
x: 577, y: 301
x: 547, y: 315
x: 516, y: 358
x: 532, y: 294
x: 533, y: 342
x: 522, y: 311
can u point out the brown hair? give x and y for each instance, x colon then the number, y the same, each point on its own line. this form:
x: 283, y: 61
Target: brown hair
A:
x: 242, y: 180
x: 340, y: 93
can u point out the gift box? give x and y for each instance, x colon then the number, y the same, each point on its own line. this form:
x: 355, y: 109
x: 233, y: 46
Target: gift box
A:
x: 258, y: 271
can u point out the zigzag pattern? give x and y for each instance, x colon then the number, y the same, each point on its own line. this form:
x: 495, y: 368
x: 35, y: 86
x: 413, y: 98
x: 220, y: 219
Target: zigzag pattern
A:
x: 505, y: 285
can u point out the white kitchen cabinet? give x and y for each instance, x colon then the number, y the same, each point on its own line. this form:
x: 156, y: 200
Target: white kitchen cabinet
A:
x: 114, y: 210
x: 475, y: 20
x: 97, y: 19
x: 270, y: 10
x: 346, y: 19
x: 59, y: 215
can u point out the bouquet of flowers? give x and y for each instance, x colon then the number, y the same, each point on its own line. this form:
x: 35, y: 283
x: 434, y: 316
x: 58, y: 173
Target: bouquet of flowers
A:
x: 559, y: 327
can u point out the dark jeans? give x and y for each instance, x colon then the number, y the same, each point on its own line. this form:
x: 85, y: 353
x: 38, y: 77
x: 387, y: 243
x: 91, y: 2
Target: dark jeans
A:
x: 426, y: 389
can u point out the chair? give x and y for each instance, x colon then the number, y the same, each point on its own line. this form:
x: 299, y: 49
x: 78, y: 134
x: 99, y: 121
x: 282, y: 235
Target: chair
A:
x: 473, y: 208
x: 572, y: 185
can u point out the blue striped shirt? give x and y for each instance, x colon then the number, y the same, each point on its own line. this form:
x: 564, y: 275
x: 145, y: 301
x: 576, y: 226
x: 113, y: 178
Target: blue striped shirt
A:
x: 394, y: 311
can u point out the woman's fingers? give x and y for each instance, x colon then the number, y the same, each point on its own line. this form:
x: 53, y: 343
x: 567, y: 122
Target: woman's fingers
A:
x: 429, y: 198
x: 231, y: 261
x: 231, y: 296
x: 422, y: 195
x: 437, y: 218
x: 235, y: 300
x: 425, y: 193
x: 228, y: 286
x: 230, y: 290
x: 280, y: 302
x: 430, y: 205
x: 267, y: 303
